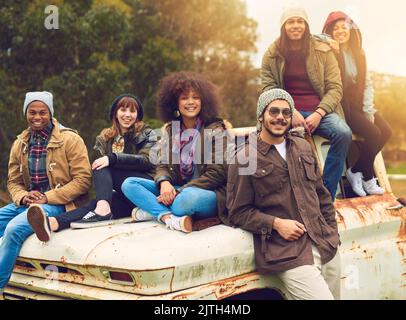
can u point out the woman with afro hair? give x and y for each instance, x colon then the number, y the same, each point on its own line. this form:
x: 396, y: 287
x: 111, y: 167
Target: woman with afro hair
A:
x: 191, y: 172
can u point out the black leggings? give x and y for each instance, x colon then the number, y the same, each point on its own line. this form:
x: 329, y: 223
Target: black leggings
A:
x: 375, y: 136
x: 107, y: 183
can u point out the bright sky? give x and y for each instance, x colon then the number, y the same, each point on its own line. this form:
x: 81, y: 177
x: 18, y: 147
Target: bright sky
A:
x: 380, y: 21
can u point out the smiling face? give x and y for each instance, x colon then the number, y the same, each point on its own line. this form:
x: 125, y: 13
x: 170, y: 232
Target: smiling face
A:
x: 341, y: 31
x: 126, y: 116
x: 38, y: 115
x: 295, y: 28
x: 276, y: 118
x: 189, y: 104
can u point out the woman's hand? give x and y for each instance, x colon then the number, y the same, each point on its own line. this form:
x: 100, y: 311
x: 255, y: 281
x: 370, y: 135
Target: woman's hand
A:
x: 100, y: 163
x: 167, y: 193
x: 334, y: 45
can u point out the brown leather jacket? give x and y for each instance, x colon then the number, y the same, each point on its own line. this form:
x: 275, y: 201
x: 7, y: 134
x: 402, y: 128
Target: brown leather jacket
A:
x: 291, y: 189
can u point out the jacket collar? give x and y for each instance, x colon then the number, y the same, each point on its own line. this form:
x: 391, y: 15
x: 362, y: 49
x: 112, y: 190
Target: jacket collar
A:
x: 314, y: 45
x: 264, y: 147
x: 54, y: 141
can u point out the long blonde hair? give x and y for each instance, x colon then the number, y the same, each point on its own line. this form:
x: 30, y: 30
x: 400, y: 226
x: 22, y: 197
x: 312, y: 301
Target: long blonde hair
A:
x: 114, y: 130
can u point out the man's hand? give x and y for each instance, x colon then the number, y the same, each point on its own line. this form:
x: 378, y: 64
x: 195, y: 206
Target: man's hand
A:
x: 34, y: 197
x: 43, y: 200
x: 289, y: 230
x: 100, y: 163
x: 167, y: 193
x: 313, y: 122
x: 299, y: 121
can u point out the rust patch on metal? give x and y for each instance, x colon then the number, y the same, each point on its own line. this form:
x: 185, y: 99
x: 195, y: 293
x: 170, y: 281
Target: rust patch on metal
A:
x: 340, y: 219
x: 226, y: 288
x: 369, y: 210
x: 355, y: 246
x: 367, y: 255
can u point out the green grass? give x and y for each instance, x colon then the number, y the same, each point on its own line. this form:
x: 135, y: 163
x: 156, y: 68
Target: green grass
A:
x: 396, y: 168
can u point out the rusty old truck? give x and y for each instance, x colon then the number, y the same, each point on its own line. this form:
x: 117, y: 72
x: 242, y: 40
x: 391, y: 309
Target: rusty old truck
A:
x: 146, y: 261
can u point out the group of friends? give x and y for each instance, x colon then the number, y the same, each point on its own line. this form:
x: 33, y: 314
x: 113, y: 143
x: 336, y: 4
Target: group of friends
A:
x: 318, y: 82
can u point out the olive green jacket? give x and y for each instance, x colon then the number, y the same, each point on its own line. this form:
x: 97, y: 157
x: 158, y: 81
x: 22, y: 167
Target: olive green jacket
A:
x: 211, y: 176
x: 322, y: 70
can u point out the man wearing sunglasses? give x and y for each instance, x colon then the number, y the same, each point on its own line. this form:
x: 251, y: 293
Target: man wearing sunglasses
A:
x: 308, y: 70
x: 286, y: 206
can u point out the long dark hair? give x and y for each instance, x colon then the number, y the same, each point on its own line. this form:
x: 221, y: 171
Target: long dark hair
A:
x: 284, y: 43
x: 355, y: 46
x: 355, y: 42
x: 114, y: 130
x: 173, y: 85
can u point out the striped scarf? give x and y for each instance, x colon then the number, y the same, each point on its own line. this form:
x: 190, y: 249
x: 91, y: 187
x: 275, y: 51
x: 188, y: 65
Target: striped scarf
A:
x: 186, y: 148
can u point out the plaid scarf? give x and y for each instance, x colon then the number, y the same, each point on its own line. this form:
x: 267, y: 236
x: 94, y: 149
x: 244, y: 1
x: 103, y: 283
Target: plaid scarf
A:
x: 37, y: 153
x: 186, y: 149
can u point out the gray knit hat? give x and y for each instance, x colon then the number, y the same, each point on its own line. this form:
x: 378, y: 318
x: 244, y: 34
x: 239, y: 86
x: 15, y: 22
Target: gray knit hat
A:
x: 43, y: 96
x: 294, y: 12
x: 271, y: 95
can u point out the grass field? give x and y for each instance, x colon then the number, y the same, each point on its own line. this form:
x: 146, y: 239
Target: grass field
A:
x: 396, y: 168
x: 399, y: 187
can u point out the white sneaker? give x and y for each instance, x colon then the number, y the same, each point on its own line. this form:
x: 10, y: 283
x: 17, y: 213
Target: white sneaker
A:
x: 183, y: 224
x: 371, y: 187
x: 140, y: 215
x: 355, y: 179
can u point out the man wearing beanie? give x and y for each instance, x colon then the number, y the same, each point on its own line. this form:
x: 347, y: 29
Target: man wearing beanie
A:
x: 286, y: 206
x: 48, y: 171
x: 308, y: 70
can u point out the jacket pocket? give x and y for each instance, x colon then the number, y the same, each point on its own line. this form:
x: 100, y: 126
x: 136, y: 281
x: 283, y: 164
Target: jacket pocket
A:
x: 276, y: 252
x: 328, y: 233
x: 309, y: 164
x: 265, y: 182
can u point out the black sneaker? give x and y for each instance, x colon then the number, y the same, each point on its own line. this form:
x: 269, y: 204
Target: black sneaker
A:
x: 39, y: 222
x: 91, y: 220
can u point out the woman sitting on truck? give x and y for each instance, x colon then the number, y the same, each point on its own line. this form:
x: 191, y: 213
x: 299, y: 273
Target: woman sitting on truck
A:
x: 357, y: 102
x: 122, y: 151
x: 184, y: 186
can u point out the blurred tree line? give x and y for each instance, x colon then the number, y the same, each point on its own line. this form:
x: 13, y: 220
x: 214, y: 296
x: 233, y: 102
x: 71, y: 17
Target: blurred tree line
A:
x: 390, y: 101
x: 104, y: 48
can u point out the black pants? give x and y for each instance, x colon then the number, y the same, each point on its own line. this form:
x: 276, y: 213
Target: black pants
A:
x: 107, y: 183
x: 375, y: 136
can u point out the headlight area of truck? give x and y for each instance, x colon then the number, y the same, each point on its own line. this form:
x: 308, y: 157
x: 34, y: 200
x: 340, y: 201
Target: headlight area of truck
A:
x: 119, y: 277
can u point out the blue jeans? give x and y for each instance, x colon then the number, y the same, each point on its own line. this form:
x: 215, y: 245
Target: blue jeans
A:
x: 333, y: 128
x: 15, y: 229
x: 191, y: 201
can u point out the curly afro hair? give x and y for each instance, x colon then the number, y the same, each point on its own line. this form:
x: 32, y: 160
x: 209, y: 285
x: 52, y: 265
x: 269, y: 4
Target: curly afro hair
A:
x: 173, y: 85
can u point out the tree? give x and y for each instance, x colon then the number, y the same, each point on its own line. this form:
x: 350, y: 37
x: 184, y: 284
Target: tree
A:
x: 106, y: 47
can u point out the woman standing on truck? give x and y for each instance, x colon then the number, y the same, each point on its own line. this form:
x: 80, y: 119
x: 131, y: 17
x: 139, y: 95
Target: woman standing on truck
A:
x: 357, y: 102
x: 184, y: 184
x: 122, y: 151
